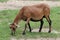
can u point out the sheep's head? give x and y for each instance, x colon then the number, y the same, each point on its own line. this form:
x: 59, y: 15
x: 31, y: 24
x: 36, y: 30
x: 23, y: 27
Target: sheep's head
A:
x: 13, y: 28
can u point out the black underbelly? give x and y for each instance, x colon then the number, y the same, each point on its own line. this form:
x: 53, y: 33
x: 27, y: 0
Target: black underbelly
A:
x: 32, y: 20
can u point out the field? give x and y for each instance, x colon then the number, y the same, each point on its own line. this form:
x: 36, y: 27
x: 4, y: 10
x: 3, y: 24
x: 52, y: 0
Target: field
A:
x: 7, y: 16
x: 3, y: 0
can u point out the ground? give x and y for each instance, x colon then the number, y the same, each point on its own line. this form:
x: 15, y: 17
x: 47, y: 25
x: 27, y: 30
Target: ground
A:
x: 7, y: 16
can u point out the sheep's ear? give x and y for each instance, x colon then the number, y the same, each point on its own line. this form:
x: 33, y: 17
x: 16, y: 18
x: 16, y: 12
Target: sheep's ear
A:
x: 9, y: 24
x: 16, y: 25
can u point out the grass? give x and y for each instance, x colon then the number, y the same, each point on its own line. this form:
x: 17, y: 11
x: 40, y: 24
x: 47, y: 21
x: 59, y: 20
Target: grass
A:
x: 3, y: 0
x: 7, y: 16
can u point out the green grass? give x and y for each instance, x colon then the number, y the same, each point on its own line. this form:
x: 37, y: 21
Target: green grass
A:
x: 3, y: 0
x: 7, y: 16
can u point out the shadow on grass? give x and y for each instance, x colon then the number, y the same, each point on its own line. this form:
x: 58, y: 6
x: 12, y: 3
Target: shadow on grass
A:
x: 35, y: 35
